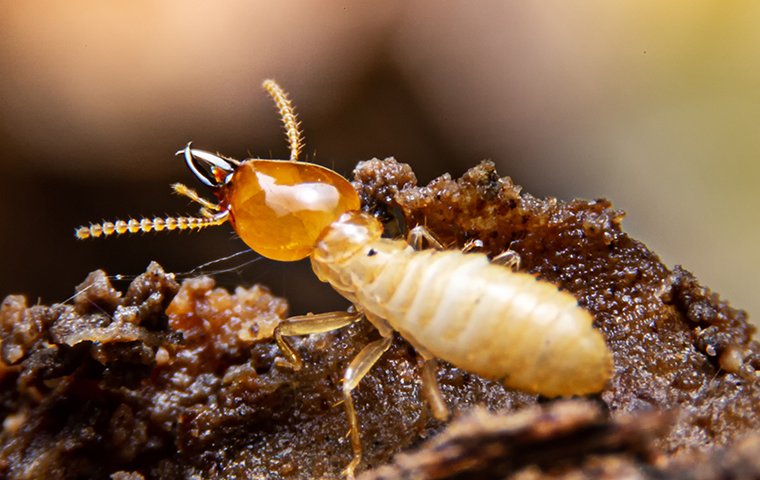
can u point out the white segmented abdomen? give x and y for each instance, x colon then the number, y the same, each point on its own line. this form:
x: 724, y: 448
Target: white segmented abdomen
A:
x: 480, y: 317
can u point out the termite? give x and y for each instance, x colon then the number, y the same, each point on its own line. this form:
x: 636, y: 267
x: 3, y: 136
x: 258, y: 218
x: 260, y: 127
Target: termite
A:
x: 450, y: 305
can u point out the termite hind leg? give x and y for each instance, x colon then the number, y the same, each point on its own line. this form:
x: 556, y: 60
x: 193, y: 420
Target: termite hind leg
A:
x: 432, y: 391
x: 430, y: 388
x: 357, y: 369
x: 307, y: 325
x: 421, y: 234
x: 509, y: 259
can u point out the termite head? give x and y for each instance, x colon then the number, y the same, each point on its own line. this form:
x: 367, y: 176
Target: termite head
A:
x: 279, y: 208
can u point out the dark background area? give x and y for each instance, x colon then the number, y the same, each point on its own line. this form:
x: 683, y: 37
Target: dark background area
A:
x: 653, y: 106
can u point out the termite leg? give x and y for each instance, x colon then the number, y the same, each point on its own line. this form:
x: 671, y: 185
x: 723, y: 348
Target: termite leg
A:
x: 472, y: 245
x: 307, y: 325
x: 357, y: 369
x: 432, y: 391
x: 430, y: 388
x: 420, y: 234
x: 509, y: 259
x: 188, y: 192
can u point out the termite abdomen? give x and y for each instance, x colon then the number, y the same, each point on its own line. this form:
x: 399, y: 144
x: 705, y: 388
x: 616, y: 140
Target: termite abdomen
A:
x: 481, y: 317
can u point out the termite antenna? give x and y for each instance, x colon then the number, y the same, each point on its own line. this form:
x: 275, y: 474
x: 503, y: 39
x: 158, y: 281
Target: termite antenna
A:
x: 287, y: 115
x: 157, y: 224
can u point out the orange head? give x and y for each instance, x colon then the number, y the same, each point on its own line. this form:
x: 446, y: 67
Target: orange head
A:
x: 278, y: 207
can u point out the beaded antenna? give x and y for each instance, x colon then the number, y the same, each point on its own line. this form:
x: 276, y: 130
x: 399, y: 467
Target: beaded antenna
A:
x: 211, y: 214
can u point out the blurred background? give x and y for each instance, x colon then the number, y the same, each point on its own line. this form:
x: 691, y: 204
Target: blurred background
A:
x: 654, y: 105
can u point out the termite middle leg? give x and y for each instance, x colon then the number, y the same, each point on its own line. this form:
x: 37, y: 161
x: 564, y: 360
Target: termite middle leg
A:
x: 357, y: 369
x: 508, y: 258
x: 420, y: 234
x: 307, y: 325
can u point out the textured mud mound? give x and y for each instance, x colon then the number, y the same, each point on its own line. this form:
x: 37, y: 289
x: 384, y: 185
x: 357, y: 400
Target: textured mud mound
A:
x: 676, y: 345
x: 170, y: 381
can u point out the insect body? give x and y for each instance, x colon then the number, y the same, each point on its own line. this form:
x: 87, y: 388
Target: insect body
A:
x: 458, y: 307
x: 461, y: 308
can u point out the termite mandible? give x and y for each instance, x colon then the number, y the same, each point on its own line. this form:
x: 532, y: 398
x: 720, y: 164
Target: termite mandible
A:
x: 479, y: 316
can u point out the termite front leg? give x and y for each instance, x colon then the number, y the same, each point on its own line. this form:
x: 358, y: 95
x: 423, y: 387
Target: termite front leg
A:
x: 357, y: 369
x: 307, y: 325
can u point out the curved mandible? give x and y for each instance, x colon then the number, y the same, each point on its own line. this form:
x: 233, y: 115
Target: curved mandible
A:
x: 193, y: 155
